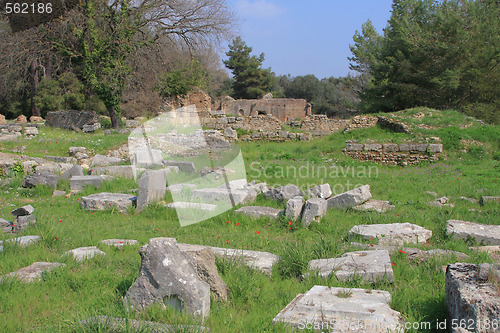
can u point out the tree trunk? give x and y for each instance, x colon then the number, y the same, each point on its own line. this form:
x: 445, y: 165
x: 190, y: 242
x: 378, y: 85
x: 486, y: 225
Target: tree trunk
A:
x: 35, y: 111
x: 115, y: 121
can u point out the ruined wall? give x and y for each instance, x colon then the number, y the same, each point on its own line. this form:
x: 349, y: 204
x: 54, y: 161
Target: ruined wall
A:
x: 282, y: 108
x: 392, y: 153
x: 320, y: 124
x: 252, y: 123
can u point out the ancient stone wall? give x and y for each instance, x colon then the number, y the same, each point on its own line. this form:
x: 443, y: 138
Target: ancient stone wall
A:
x: 320, y: 124
x: 13, y: 132
x: 392, y: 153
x: 282, y: 108
x: 71, y: 119
x: 252, y: 123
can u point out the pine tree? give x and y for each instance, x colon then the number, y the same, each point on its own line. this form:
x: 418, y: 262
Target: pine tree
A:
x: 250, y: 79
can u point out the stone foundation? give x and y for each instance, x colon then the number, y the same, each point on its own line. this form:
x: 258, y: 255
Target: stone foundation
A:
x: 392, y: 153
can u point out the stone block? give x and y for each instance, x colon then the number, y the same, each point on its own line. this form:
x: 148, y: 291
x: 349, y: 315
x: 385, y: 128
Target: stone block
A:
x: 435, y: 148
x: 350, y: 198
x: 294, y: 208
x: 313, y: 210
x: 105, y: 201
x: 258, y: 212
x: 78, y: 183
x: 393, y: 233
x: 482, y: 233
x: 152, y: 188
x: 372, y: 147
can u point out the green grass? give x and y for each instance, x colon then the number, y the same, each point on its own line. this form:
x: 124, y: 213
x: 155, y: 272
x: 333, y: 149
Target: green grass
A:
x: 96, y: 287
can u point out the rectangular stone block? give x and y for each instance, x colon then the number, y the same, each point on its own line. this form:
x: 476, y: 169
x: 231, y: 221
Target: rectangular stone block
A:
x: 184, y: 166
x: 373, y: 147
x: 435, y: 148
x: 420, y: 147
x: 405, y: 147
x: 390, y: 147
x: 79, y: 182
x: 350, y: 146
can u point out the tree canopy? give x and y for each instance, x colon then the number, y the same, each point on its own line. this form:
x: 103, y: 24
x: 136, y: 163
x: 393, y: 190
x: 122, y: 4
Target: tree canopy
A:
x: 442, y: 54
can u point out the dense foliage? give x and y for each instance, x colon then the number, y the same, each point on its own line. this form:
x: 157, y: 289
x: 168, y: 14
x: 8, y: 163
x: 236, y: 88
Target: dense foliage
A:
x: 442, y: 54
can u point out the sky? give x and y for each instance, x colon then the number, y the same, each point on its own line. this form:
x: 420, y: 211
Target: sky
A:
x: 300, y: 37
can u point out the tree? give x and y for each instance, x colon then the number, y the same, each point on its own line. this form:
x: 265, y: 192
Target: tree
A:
x: 100, y: 41
x: 250, y: 79
x: 442, y: 54
x: 179, y: 82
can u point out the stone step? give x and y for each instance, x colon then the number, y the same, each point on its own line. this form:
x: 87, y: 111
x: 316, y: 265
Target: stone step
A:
x: 105, y: 201
x: 82, y: 253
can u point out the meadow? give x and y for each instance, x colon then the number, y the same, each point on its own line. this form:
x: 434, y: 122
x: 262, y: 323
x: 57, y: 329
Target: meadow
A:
x: 470, y: 167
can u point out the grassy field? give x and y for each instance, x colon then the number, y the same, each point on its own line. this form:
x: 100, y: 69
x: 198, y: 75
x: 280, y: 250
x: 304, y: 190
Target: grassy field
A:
x: 96, y: 287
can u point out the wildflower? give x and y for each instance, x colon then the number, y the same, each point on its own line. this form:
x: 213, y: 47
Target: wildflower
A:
x: 120, y: 242
x: 227, y: 241
x: 157, y: 230
x: 218, y: 236
x: 371, y: 245
x: 55, y: 238
x: 258, y: 232
x: 289, y: 222
x: 60, y: 221
x: 290, y: 228
x: 402, y: 251
x: 227, y: 222
x: 393, y: 264
x: 238, y: 223
x: 92, y: 213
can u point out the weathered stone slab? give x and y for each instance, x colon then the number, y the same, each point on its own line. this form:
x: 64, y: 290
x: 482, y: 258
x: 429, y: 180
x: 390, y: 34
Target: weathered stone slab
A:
x: 258, y: 212
x: 393, y: 233
x: 112, y: 324
x: 24, y: 240
x: 370, y: 266
x: 76, y: 170
x: 167, y: 276
x: 491, y: 199
x: 471, y: 296
x: 191, y: 205
x: 413, y: 253
x: 374, y: 205
x: 101, y: 160
x: 104, y: 201
x: 30, y: 131
x: 294, y: 207
x: 152, y: 188
x: 119, y: 242
x: 213, y: 195
x: 183, y: 166
x: 41, y: 178
x: 61, y: 159
x: 72, y: 119
x: 32, y: 272
x: 435, y: 148
x: 204, y: 262
x: 373, y: 147
x: 482, y: 233
x: 125, y: 171
x: 351, y: 146
x: 338, y: 310
x: 283, y: 192
x: 491, y: 249
x: 79, y: 182
x: 147, y: 158
x: 313, y: 210
x: 350, y: 198
x: 262, y: 261
x: 10, y: 136
x: 22, y: 211
x: 321, y: 191
x: 82, y: 253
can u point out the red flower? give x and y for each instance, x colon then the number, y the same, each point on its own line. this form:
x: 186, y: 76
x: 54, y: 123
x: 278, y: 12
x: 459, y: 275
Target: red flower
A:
x: 227, y: 241
x: 238, y: 223
x: 218, y: 236
x: 371, y: 245
x: 402, y: 251
x: 227, y: 221
x: 289, y: 222
x: 92, y: 213
x: 150, y: 221
x: 61, y: 220
x: 258, y: 231
x: 393, y: 264
x: 55, y: 238
x: 290, y: 228
x: 157, y: 230
x: 77, y: 199
x: 121, y: 242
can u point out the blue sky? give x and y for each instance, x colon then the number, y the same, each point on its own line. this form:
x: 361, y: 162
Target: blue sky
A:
x: 300, y: 37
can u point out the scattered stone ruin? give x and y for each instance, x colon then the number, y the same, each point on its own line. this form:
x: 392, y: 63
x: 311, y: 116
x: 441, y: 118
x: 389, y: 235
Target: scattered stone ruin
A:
x: 284, y: 109
x: 392, y: 153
